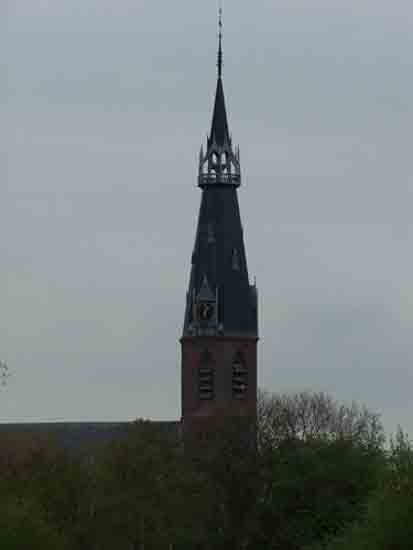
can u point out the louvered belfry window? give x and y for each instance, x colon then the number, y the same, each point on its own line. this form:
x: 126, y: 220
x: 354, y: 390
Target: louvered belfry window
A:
x: 239, y: 377
x: 206, y: 377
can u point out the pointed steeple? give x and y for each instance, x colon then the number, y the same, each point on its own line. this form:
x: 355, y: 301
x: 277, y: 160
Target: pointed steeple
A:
x: 219, y: 129
x: 220, y: 164
x: 219, y: 274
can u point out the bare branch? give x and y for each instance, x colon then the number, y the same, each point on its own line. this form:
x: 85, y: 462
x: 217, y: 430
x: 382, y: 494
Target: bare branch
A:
x: 4, y: 372
x: 308, y: 415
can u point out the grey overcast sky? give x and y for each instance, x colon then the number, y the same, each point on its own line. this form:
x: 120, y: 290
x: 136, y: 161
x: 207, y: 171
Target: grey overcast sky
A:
x: 104, y: 106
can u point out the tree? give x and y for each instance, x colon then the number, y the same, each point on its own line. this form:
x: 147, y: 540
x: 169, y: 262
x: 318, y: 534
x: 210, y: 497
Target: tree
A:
x: 25, y: 521
x: 320, y: 462
x: 306, y: 416
x: 24, y: 525
x: 147, y: 493
x: 229, y: 465
x: 387, y: 523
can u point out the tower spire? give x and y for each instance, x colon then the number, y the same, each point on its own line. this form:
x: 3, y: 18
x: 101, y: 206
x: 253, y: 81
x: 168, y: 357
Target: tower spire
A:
x: 220, y: 163
x: 219, y: 64
x: 220, y: 332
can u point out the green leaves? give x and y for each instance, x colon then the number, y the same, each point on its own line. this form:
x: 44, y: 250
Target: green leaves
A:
x: 320, y: 478
x: 313, y: 488
x: 23, y: 524
x: 386, y: 523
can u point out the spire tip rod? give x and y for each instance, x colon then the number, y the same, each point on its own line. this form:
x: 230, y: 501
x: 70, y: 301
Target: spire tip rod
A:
x: 220, y: 42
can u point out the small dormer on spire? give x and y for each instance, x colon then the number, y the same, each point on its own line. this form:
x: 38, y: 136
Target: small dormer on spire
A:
x: 219, y: 165
x: 205, y: 293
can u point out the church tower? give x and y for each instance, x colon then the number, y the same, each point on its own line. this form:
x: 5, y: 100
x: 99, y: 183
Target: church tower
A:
x: 220, y: 333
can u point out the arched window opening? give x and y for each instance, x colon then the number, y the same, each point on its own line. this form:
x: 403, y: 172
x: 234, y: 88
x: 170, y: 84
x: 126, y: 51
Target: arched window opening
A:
x: 206, y: 377
x: 239, y: 377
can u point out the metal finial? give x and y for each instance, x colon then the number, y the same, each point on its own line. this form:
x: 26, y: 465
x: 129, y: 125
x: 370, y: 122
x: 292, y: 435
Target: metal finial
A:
x: 219, y: 64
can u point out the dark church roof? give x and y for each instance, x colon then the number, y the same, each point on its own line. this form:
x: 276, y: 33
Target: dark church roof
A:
x: 77, y: 436
x: 69, y: 435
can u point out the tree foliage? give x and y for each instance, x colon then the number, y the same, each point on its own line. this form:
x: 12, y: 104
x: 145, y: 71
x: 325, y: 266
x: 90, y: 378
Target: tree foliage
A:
x: 308, y: 416
x: 23, y: 525
x: 387, y: 522
x: 320, y: 461
x: 319, y: 475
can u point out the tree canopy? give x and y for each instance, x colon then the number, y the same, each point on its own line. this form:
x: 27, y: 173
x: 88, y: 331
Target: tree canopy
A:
x: 317, y: 477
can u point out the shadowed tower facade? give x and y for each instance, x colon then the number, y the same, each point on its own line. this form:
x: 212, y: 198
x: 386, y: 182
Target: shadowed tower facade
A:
x: 220, y: 333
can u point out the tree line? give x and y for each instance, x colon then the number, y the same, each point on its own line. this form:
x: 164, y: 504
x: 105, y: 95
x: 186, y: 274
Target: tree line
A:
x: 318, y: 477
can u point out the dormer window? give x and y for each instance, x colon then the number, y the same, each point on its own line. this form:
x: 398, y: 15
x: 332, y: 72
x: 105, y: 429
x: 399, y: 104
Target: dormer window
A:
x: 235, y: 260
x: 239, y: 377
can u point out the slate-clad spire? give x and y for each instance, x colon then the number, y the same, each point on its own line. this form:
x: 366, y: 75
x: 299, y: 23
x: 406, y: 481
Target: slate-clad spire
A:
x: 219, y: 261
x: 219, y: 272
x: 219, y: 128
